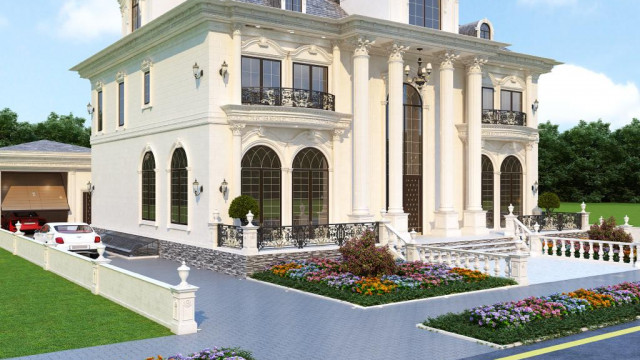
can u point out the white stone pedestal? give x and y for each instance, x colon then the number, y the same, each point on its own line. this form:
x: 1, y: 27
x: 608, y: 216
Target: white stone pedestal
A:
x: 446, y: 224
x: 475, y: 222
x: 399, y: 221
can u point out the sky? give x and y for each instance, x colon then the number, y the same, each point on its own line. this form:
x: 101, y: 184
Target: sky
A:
x: 594, y: 39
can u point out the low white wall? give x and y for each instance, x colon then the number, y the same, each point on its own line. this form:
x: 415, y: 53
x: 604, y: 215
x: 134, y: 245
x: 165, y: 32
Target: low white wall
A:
x: 171, y: 306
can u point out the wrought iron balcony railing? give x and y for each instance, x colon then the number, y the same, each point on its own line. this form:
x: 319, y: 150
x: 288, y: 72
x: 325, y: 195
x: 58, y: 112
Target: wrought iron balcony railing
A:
x: 556, y: 221
x: 301, y: 236
x: 504, y: 117
x: 279, y: 96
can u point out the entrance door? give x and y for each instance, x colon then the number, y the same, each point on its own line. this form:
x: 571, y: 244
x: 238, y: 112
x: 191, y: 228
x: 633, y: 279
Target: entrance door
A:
x: 510, y: 187
x: 86, y: 207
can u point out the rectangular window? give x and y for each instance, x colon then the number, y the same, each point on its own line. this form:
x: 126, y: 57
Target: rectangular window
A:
x: 310, y: 77
x: 121, y: 104
x: 260, y: 72
x: 511, y: 100
x: 135, y: 15
x: 100, y: 110
x: 293, y: 5
x: 487, y: 98
x: 425, y: 13
x: 147, y: 87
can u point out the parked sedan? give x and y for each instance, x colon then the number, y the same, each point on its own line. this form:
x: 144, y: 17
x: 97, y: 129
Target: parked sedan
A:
x: 76, y: 237
x: 29, y: 219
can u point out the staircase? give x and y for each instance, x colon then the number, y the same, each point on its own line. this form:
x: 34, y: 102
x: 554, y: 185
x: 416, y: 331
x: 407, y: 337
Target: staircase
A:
x: 505, y: 245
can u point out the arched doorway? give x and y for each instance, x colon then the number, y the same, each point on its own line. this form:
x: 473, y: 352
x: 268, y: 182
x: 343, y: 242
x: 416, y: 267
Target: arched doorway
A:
x: 310, y: 188
x: 261, y: 179
x: 411, y: 156
x: 511, y: 185
x: 487, y: 189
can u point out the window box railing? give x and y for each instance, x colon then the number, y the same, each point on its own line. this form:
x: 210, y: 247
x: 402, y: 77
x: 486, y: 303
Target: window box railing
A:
x: 301, y: 236
x: 504, y: 117
x: 279, y: 96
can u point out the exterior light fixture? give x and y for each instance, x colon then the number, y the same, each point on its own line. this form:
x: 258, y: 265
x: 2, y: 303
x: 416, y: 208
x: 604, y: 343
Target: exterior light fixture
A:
x: 197, y: 73
x: 90, y: 109
x: 534, y: 188
x: 534, y: 106
x: 224, y: 189
x: 90, y: 187
x: 224, y: 69
x: 422, y: 76
x: 197, y: 188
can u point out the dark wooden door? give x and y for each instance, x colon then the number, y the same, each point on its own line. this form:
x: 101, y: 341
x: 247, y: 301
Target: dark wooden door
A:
x: 412, y: 200
x: 86, y: 207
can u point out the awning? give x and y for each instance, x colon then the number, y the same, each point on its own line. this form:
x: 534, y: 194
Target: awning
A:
x: 34, y: 191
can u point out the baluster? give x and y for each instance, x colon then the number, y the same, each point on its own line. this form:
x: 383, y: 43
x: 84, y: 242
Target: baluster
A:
x: 610, y: 252
x: 431, y: 257
x: 486, y: 265
x: 466, y: 262
x: 458, y: 260
x: 572, y: 249
x: 476, y: 262
x: 632, y: 250
x: 496, y: 263
x: 449, y: 258
x: 545, y: 247
x: 440, y: 259
x: 564, y: 248
x: 600, y: 251
x: 591, y: 253
x: 581, y: 250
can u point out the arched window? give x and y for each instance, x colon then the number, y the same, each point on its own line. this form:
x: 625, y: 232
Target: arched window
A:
x: 485, y: 31
x: 148, y: 187
x: 179, y: 187
x: 425, y: 13
x: 310, y: 192
x: 511, y: 185
x: 487, y: 189
x: 261, y: 179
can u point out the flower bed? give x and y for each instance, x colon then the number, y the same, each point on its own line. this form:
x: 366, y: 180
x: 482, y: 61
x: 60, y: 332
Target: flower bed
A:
x: 214, y: 353
x: 410, y: 281
x: 545, y: 317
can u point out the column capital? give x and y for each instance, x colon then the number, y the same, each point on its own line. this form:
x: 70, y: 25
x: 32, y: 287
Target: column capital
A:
x: 447, y: 58
x: 362, y: 46
x: 236, y: 28
x: 474, y: 64
x: 396, y: 52
x: 237, y: 129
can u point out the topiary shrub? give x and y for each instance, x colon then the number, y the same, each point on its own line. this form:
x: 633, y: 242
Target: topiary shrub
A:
x: 548, y: 201
x: 608, y: 231
x: 361, y: 257
x: 241, y: 205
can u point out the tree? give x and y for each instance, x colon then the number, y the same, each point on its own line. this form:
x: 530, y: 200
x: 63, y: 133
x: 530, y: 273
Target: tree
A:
x: 549, y: 201
x: 66, y: 129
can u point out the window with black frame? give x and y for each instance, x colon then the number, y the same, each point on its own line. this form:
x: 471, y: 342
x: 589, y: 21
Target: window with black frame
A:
x: 179, y: 187
x: 310, y: 190
x: 121, y: 104
x: 485, y: 31
x: 425, y: 13
x: 511, y: 100
x: 487, y: 189
x: 100, y: 110
x: 260, y: 81
x: 135, y: 15
x: 147, y: 87
x: 293, y: 5
x: 261, y: 179
x: 487, y: 98
x: 149, y: 187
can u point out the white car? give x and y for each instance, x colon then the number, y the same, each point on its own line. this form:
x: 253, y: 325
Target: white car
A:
x: 76, y: 237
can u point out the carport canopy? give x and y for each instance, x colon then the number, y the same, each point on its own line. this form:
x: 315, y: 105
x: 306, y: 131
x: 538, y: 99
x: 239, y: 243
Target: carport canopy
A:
x: 34, y: 191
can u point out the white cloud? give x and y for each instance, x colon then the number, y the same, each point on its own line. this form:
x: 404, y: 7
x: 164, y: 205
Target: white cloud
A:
x: 572, y: 93
x: 85, y: 20
x: 549, y: 3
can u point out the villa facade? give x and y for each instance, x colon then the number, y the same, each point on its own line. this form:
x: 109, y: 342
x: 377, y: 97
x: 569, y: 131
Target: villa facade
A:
x: 325, y: 111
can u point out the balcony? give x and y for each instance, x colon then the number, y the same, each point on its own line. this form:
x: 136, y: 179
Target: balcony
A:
x: 504, y: 117
x: 279, y: 96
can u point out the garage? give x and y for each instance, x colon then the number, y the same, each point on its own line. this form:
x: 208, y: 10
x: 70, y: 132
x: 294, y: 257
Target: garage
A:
x: 45, y: 180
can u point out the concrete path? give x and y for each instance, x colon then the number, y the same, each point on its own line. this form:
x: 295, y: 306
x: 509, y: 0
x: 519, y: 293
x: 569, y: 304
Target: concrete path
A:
x: 277, y: 324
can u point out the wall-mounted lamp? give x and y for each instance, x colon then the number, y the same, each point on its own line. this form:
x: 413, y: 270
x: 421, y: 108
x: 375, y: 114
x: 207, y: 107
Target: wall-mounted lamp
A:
x: 534, y: 188
x: 534, y: 106
x: 197, y: 188
x: 224, y: 189
x: 422, y: 76
x: 224, y: 69
x: 197, y: 73
x: 90, y: 187
x: 90, y: 109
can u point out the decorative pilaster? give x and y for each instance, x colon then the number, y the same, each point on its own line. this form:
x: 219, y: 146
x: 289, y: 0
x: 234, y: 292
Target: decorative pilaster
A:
x: 475, y: 219
x: 335, y: 86
x: 446, y: 219
x: 531, y: 177
x: 361, y: 148
x: 236, y: 147
x: 235, y: 71
x: 399, y: 219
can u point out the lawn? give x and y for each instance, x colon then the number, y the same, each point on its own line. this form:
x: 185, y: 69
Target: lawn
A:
x: 618, y: 210
x: 43, y: 312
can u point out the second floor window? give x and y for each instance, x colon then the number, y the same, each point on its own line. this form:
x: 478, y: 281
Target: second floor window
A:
x: 262, y: 73
x: 147, y: 87
x: 511, y: 100
x: 121, y: 104
x: 100, y: 110
x: 425, y: 13
x: 310, y: 77
x: 135, y: 15
x: 294, y: 5
x: 485, y: 31
x: 487, y: 98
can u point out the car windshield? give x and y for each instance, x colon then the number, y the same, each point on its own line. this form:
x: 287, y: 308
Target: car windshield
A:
x: 73, y: 229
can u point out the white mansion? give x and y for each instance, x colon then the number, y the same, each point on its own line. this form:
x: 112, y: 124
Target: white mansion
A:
x: 317, y: 108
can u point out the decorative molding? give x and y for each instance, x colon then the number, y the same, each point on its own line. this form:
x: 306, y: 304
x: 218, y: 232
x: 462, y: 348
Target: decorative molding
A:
x: 146, y: 65
x: 510, y: 133
x: 261, y: 46
x: 99, y: 85
x: 237, y: 128
x: 286, y: 117
x: 396, y: 52
x: 474, y: 64
x: 362, y: 46
x: 120, y: 75
x: 513, y: 82
x: 447, y: 58
x: 314, y: 54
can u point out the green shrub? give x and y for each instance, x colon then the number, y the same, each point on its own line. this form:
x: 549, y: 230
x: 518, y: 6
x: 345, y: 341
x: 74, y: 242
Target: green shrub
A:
x: 608, y: 231
x: 361, y: 257
x: 241, y: 205
x: 548, y: 201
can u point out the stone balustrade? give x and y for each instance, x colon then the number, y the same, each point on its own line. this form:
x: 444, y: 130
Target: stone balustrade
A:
x: 592, y: 250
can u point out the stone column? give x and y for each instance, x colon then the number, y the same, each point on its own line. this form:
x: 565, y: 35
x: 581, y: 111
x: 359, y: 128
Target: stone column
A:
x: 235, y: 71
x: 399, y: 219
x: 361, y: 148
x: 475, y: 219
x: 497, y: 218
x: 286, y: 208
x: 335, y: 84
x: 446, y: 219
x: 335, y: 175
x: 429, y: 158
x: 236, y: 166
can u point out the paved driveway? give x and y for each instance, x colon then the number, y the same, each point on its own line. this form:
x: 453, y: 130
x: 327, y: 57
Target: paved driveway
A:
x: 279, y: 324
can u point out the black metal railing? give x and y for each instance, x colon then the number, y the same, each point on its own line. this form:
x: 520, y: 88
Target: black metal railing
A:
x: 230, y: 236
x: 504, y: 117
x: 556, y: 221
x: 279, y: 96
x: 300, y: 236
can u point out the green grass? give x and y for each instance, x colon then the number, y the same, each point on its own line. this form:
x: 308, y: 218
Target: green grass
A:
x: 372, y: 300
x: 606, y: 210
x: 42, y: 312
